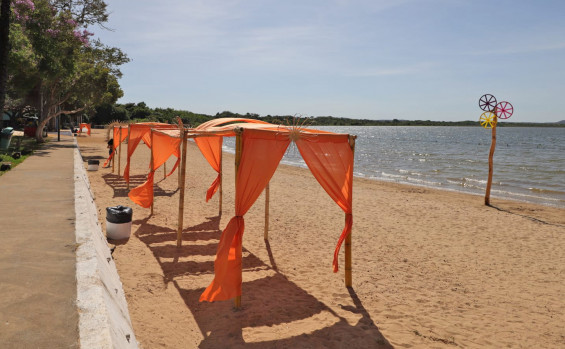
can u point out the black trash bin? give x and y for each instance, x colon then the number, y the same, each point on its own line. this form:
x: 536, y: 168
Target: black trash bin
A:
x: 93, y: 165
x: 118, y: 222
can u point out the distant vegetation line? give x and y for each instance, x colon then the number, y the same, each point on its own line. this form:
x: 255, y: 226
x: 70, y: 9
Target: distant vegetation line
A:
x: 140, y: 112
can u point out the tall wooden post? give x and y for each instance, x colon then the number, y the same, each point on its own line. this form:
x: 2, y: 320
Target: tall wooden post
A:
x: 127, y: 152
x: 113, y: 149
x: 119, y: 152
x: 267, y: 199
x: 348, y: 253
x: 151, y: 169
x: 238, y: 152
x: 221, y: 177
x: 182, y: 176
x: 490, y: 160
x: 179, y: 168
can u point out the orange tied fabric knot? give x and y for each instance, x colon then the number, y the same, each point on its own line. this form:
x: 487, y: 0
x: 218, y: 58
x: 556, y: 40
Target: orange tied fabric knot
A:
x: 143, y: 195
x: 227, y: 265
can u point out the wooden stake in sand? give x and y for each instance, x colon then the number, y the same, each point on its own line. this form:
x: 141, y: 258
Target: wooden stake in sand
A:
x: 119, y: 152
x: 221, y: 178
x: 489, y: 119
x: 180, y: 152
x: 490, y: 161
x: 267, y: 195
x: 348, y: 252
x: 182, y: 184
x: 113, y: 151
x: 151, y: 168
x: 238, y: 152
x: 129, y: 132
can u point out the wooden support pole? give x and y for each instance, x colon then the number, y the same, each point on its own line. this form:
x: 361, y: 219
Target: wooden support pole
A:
x: 238, y: 152
x: 181, y: 156
x: 119, y: 152
x: 221, y: 177
x: 127, y: 152
x: 164, y: 170
x: 182, y: 176
x: 267, y: 199
x: 348, y: 252
x: 490, y: 161
x: 151, y: 169
x: 113, y: 150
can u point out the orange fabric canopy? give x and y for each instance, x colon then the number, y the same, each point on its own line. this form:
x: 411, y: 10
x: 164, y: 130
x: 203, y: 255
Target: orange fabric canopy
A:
x: 85, y: 125
x: 163, y: 147
x: 328, y: 156
x: 140, y: 131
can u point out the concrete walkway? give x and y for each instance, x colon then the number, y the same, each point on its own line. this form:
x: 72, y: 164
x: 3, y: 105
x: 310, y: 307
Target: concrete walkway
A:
x: 38, y: 289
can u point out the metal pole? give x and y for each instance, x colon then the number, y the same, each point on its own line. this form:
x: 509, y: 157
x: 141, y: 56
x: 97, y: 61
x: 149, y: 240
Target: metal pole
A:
x: 58, y: 127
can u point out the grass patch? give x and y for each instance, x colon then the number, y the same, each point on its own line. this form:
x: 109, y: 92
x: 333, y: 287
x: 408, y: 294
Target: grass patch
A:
x: 19, y: 145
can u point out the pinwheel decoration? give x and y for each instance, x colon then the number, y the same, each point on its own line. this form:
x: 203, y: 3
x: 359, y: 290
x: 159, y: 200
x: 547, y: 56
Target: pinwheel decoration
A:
x: 493, y: 111
x: 489, y: 119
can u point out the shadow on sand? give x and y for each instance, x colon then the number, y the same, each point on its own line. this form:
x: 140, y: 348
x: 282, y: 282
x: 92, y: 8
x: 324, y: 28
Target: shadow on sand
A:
x: 276, y: 313
x: 120, y: 187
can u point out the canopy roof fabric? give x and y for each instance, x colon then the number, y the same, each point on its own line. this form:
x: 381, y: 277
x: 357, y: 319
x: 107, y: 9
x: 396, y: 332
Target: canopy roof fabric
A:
x: 329, y: 156
x: 208, y: 138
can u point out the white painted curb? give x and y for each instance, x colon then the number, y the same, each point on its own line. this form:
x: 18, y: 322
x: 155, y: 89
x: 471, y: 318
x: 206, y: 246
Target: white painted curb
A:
x: 104, y: 320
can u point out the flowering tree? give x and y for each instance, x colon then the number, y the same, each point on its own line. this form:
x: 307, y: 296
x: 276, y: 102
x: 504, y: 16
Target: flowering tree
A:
x: 54, y: 58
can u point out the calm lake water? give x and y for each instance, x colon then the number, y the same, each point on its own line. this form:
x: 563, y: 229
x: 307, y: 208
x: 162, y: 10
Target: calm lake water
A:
x: 529, y: 163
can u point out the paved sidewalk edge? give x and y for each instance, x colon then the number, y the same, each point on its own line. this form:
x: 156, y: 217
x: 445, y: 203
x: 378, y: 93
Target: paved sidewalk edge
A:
x: 104, y: 320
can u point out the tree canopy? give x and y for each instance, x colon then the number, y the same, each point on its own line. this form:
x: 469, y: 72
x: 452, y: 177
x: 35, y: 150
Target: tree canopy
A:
x: 55, y: 62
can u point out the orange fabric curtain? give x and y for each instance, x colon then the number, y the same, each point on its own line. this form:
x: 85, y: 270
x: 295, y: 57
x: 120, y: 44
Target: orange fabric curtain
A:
x: 163, y: 147
x: 262, y: 152
x: 116, y: 135
x: 211, y: 148
x: 330, y: 159
x: 137, y: 133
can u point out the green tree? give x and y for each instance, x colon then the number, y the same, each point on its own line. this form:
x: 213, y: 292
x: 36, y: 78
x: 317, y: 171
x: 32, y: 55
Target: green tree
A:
x: 70, y: 73
x: 5, y: 10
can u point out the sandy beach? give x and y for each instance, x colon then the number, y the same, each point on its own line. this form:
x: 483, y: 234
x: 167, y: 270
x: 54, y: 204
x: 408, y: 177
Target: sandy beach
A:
x: 431, y: 269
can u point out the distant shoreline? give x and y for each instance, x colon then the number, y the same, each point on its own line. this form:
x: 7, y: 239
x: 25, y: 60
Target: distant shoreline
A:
x: 140, y: 112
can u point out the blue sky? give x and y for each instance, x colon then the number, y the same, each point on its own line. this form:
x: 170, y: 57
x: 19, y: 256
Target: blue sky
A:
x: 374, y: 59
